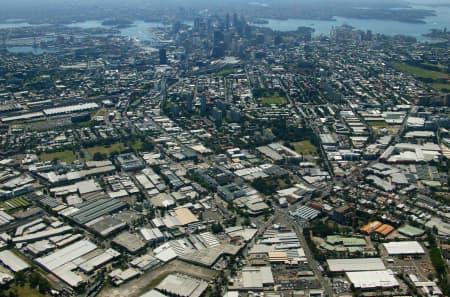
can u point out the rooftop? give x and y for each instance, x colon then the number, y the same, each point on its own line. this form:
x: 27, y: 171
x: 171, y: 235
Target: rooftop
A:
x: 357, y: 264
x: 403, y: 248
x: 373, y: 279
x: 182, y: 285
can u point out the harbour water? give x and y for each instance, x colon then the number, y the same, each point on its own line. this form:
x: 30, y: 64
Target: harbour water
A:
x: 323, y: 27
x: 139, y: 30
x: 29, y: 50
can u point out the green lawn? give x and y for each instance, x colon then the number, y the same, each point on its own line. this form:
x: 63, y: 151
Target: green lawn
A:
x: 99, y: 113
x: 227, y: 71
x: 137, y: 146
x: 421, y: 72
x: 84, y: 124
x: 440, y: 66
x: 107, y: 150
x: 65, y: 156
x: 304, y: 147
x: 274, y: 99
x: 439, y: 86
x: 377, y: 123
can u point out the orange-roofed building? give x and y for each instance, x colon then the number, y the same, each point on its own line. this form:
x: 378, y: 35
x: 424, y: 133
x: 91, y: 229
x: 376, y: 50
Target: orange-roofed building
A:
x: 384, y: 229
x: 370, y: 227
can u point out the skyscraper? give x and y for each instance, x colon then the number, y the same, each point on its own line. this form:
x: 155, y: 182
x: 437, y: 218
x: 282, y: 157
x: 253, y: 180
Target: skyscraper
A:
x: 162, y: 56
x: 203, y: 105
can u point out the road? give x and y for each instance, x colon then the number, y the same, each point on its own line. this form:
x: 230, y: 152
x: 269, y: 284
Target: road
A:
x: 311, y: 124
x: 283, y: 217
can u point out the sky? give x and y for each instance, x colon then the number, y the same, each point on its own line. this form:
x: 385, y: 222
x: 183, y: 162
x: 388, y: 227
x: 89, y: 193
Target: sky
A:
x: 15, y: 3
x: 23, y: 4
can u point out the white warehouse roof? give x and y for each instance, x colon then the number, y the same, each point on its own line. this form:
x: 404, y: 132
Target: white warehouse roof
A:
x: 5, y: 218
x: 182, y: 285
x: 71, y: 108
x: 62, y: 262
x: 358, y: 264
x: 13, y: 262
x: 403, y: 248
x: 373, y: 279
x: 67, y: 254
x: 256, y: 277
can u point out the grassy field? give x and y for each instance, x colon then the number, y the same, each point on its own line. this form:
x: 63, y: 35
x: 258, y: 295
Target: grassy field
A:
x: 377, y: 123
x: 99, y: 113
x: 284, y: 183
x: 439, y: 86
x: 274, y: 99
x: 440, y: 66
x: 304, y: 147
x: 65, y: 156
x: 137, y: 146
x: 438, y: 78
x: 24, y: 291
x: 107, y: 150
x: 421, y: 72
x: 84, y: 124
x: 227, y: 71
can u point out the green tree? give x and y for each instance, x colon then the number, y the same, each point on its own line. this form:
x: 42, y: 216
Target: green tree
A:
x: 217, y: 228
x: 267, y: 186
x: 21, y: 278
x: 33, y: 279
x: 13, y: 294
x: 44, y: 285
x: 147, y: 146
x: 246, y: 221
x: 99, y: 156
x: 230, y: 206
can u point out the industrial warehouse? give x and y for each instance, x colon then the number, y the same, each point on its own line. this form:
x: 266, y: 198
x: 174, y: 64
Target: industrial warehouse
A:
x: 192, y: 148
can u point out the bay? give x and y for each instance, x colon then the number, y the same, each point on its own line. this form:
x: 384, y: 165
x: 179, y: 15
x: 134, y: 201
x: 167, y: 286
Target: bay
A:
x: 29, y: 50
x: 323, y: 27
x: 139, y: 30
